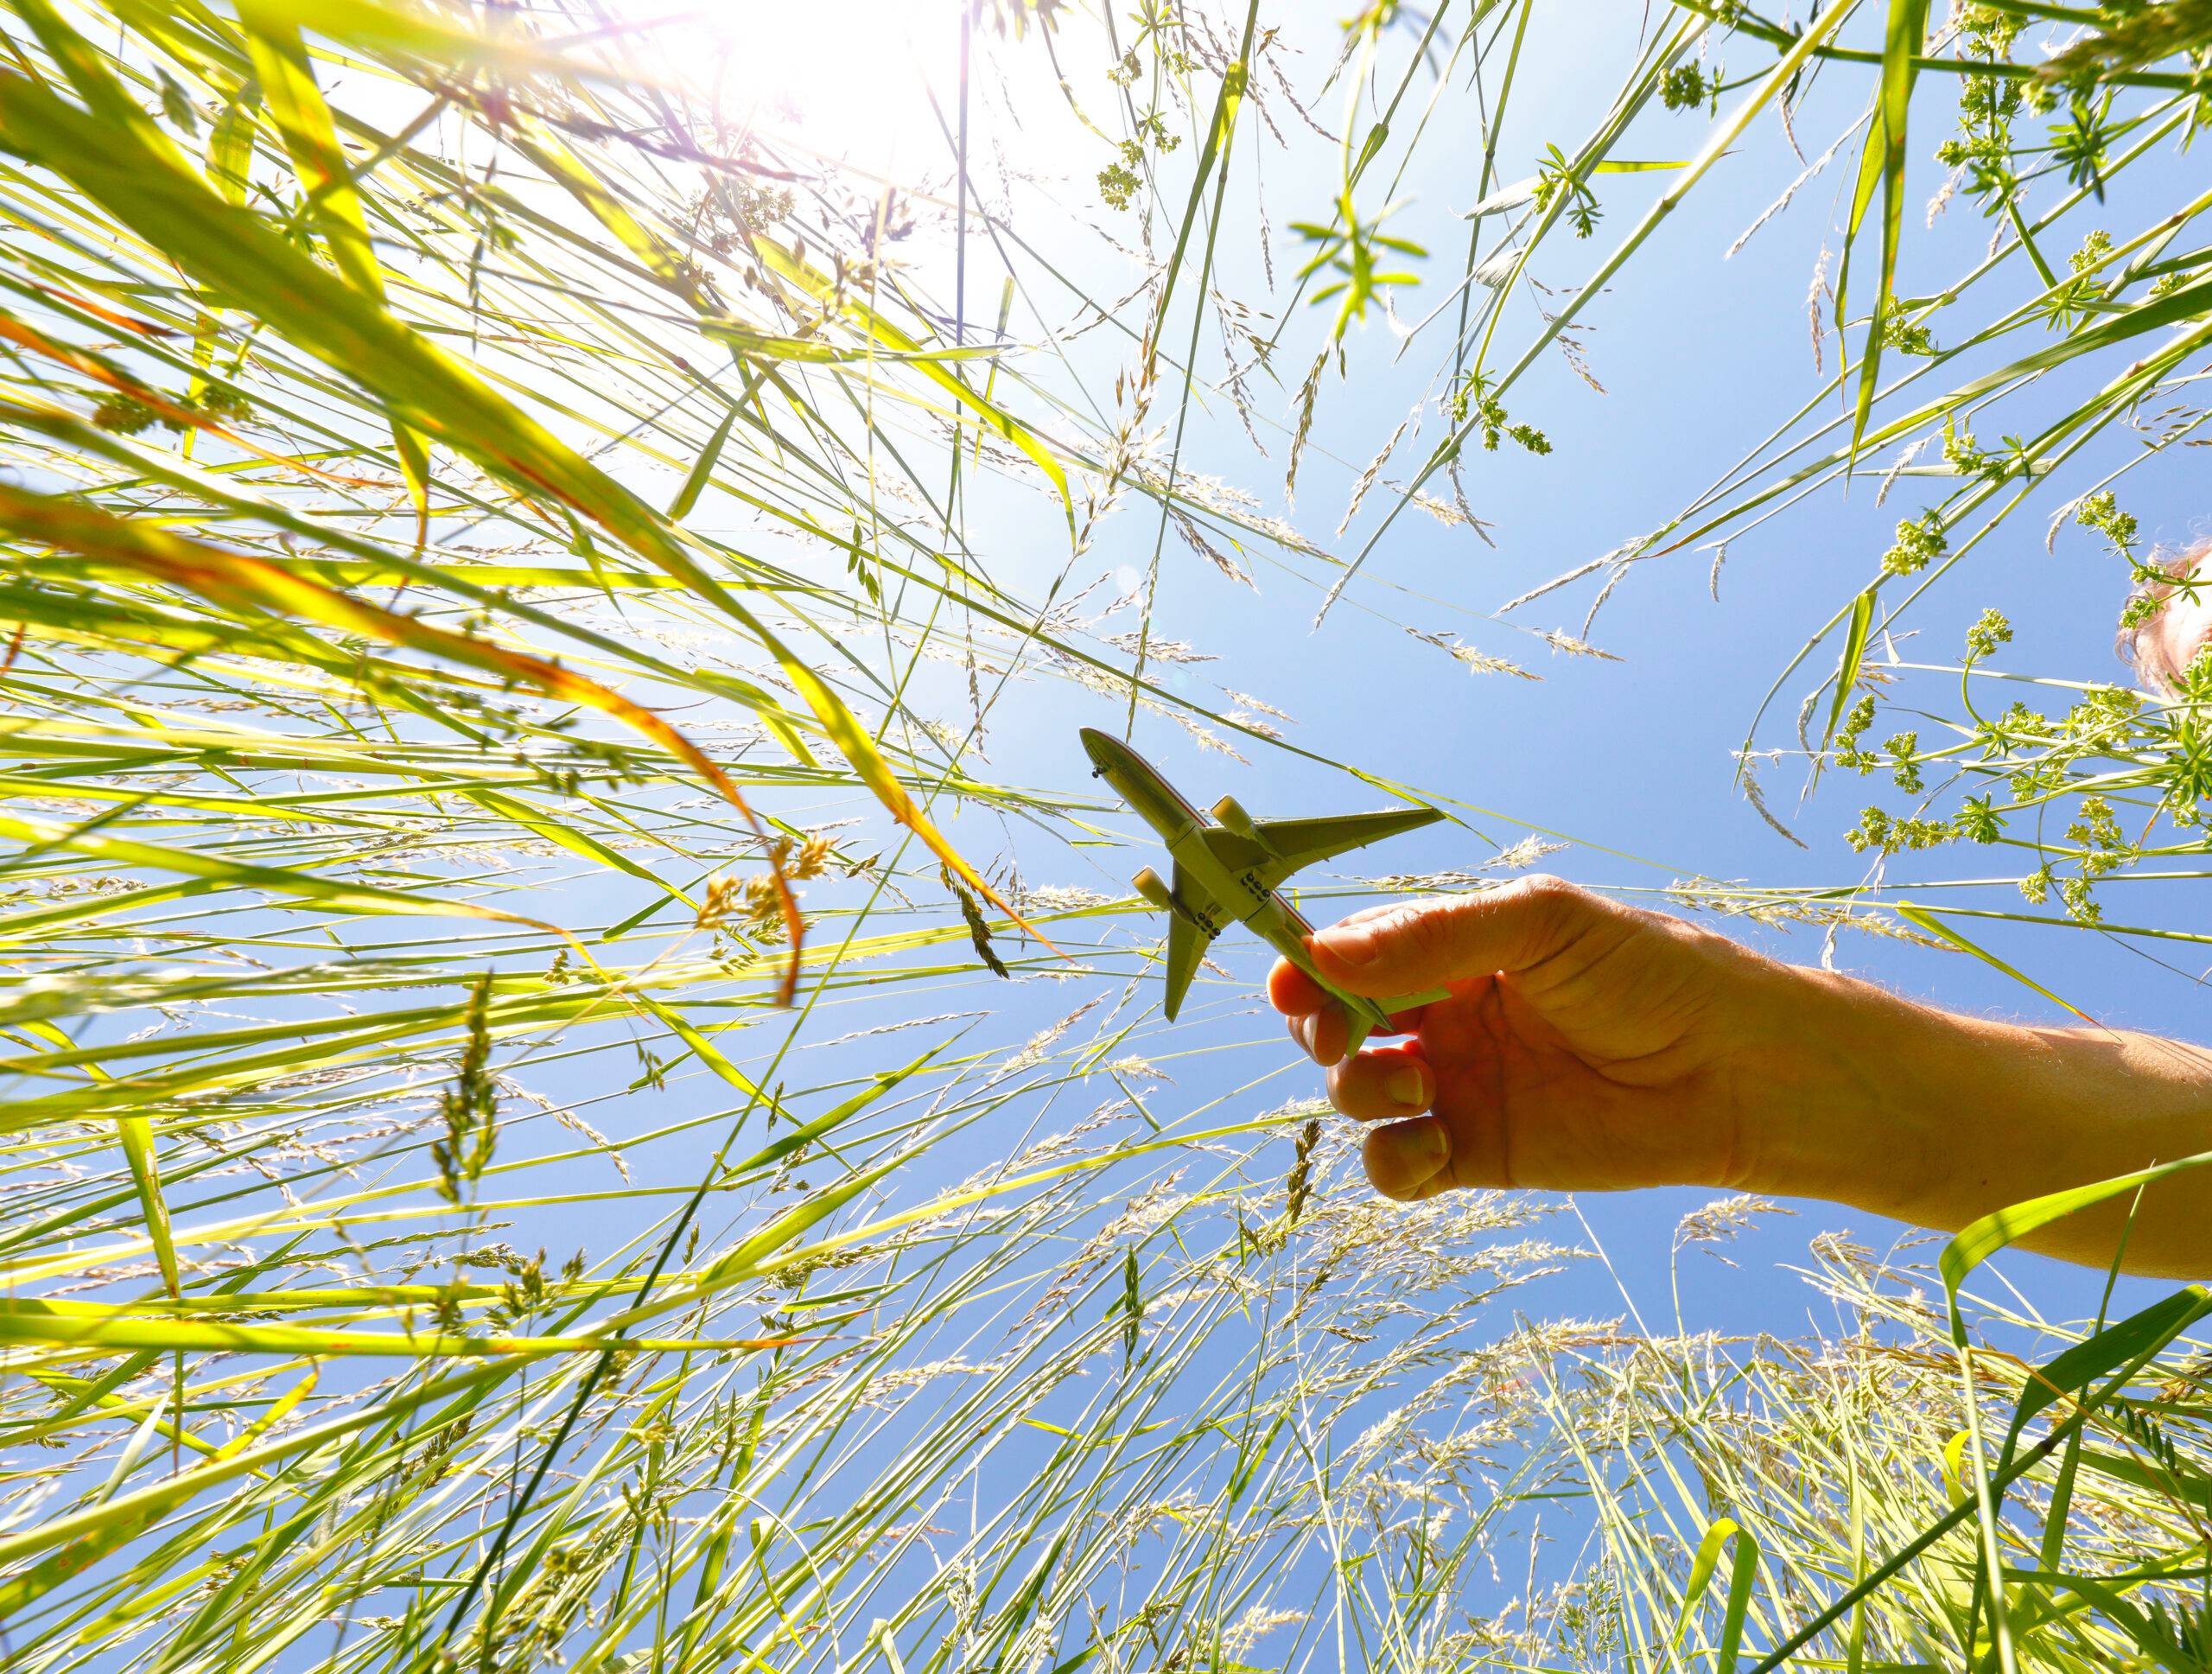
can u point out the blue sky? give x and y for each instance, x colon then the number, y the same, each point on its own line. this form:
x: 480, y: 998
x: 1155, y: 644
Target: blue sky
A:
x: 1699, y: 357
x: 1630, y: 758
x: 1626, y: 761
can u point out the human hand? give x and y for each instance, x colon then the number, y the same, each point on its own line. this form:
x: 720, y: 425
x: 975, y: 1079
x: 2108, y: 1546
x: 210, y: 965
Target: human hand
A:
x: 1586, y: 1045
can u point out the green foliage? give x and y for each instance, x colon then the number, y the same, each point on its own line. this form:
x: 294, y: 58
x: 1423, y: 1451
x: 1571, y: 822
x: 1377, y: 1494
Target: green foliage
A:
x: 1688, y: 85
x: 2081, y: 141
x: 1354, y: 249
x: 1120, y: 179
x: 1556, y: 175
x: 1920, y: 542
x: 1990, y: 631
x: 470, y: 1109
x: 2132, y: 34
x: 1471, y: 400
x: 1896, y: 331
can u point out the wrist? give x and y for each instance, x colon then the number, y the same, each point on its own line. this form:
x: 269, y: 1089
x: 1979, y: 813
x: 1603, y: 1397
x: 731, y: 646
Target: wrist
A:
x: 1857, y: 1096
x: 1845, y: 1091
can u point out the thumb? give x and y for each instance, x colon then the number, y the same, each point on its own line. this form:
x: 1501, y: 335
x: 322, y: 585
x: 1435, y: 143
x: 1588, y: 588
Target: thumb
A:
x: 1449, y: 938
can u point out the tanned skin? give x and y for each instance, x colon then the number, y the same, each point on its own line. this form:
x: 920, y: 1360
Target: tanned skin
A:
x: 1587, y: 1046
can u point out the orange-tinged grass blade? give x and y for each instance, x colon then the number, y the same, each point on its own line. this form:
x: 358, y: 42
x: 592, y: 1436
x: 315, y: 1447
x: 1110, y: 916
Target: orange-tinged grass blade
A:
x: 233, y: 579
x: 296, y: 104
x: 27, y: 336
x: 233, y: 251
x: 846, y: 732
x: 121, y: 322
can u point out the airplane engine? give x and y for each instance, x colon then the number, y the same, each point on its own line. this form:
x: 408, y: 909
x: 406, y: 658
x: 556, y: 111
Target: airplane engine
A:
x: 1231, y: 812
x: 1150, y: 885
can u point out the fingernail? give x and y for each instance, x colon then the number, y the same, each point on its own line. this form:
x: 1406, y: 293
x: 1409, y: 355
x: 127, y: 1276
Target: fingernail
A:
x: 1408, y: 1086
x: 1427, y: 1147
x: 1353, y: 945
x: 1304, y: 1028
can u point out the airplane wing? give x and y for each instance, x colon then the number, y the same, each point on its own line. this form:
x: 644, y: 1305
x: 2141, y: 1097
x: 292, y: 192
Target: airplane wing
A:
x: 1278, y: 847
x: 1186, y: 943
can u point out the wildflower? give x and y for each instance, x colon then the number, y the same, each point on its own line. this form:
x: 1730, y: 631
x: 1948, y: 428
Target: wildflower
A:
x: 1555, y: 174
x: 1888, y: 835
x: 1893, y: 330
x: 1471, y: 394
x: 1919, y: 541
x: 1990, y: 631
x: 1976, y: 820
x: 1904, y: 748
x: 1685, y: 87
x: 1960, y: 452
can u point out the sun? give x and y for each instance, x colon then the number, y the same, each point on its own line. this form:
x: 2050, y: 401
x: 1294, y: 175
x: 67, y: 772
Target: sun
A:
x: 850, y: 78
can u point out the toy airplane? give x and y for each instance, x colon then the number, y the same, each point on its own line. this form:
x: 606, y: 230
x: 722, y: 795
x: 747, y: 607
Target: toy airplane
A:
x: 1232, y: 872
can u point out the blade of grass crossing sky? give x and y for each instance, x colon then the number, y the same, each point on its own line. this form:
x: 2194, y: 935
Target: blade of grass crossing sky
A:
x: 136, y: 1133
x: 702, y: 470
x: 251, y: 813
x: 236, y: 253
x: 1926, y: 919
x: 1221, y: 130
x: 1724, y: 135
x: 1847, y: 665
x: 1213, y: 163
x: 824, y: 291
x: 295, y: 104
x: 1884, y: 163
x: 2135, y: 1342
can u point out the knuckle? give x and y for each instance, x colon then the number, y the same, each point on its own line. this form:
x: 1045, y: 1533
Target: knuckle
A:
x: 1550, y: 905
x: 1383, y: 1173
x: 1352, y: 1087
x: 1547, y: 889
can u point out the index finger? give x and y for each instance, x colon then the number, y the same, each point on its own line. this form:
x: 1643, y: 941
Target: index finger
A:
x: 1292, y: 991
x: 1414, y: 946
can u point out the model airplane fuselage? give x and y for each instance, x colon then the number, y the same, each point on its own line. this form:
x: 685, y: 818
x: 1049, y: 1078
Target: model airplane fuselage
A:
x: 1232, y: 872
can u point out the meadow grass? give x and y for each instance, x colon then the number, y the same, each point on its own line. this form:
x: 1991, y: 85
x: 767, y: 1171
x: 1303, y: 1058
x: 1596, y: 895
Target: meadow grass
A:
x: 530, y: 1137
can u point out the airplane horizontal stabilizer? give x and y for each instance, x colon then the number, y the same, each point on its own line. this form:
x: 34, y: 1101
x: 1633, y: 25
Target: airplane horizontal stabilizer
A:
x: 1296, y: 842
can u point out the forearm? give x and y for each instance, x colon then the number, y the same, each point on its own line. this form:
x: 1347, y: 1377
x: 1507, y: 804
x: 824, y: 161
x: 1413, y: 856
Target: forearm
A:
x: 1938, y: 1118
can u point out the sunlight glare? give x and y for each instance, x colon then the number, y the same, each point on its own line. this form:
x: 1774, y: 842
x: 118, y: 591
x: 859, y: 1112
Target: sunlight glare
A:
x: 850, y: 78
